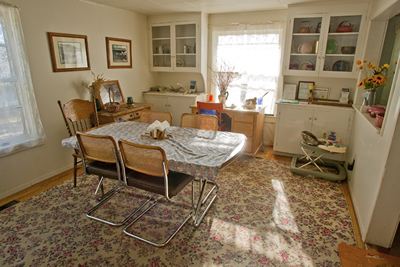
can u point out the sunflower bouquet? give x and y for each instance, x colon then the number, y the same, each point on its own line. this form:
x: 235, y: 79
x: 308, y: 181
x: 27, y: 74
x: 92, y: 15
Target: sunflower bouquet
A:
x: 375, y: 76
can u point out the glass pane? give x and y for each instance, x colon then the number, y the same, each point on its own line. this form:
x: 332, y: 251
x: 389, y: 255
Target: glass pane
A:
x: 1, y: 35
x: 161, y: 32
x: 188, y: 30
x: 8, y: 95
x: 161, y: 61
x: 5, y: 67
x: 342, y: 43
x: 305, y: 43
x: 11, y: 124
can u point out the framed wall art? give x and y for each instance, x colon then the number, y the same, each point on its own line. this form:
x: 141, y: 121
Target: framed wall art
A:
x: 69, y: 52
x: 110, y: 89
x: 304, y: 90
x: 119, y: 53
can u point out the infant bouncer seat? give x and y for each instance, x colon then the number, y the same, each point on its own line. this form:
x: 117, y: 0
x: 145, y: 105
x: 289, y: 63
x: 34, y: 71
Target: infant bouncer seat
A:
x: 309, y: 145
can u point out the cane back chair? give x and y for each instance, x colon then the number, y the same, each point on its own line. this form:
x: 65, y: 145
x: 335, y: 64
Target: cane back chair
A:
x: 199, y: 121
x: 150, y: 116
x: 146, y: 168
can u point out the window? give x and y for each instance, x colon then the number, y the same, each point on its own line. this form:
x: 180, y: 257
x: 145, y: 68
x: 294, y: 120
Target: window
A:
x: 255, y: 51
x: 20, y: 125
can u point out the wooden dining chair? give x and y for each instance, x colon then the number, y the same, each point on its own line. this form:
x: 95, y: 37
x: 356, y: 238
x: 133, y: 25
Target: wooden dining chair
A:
x: 150, y: 116
x: 199, y: 121
x: 215, y: 109
x: 101, y: 157
x: 76, y: 114
x: 145, y: 167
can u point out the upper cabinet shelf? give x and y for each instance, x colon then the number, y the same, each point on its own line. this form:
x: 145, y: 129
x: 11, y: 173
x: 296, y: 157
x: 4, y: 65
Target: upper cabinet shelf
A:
x: 324, y: 44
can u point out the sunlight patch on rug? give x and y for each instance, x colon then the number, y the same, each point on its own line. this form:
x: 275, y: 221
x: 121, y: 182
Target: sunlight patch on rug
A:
x: 264, y: 215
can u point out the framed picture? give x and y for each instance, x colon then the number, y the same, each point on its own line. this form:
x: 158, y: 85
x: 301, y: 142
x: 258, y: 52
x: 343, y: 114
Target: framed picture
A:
x: 69, y: 52
x: 289, y: 91
x: 110, y: 89
x: 304, y: 90
x: 119, y: 53
x: 321, y: 92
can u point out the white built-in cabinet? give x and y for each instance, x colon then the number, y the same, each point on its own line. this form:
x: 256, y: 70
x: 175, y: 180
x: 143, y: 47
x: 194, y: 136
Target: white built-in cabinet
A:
x: 320, y: 52
x: 293, y: 119
x: 177, y: 104
x: 174, y: 47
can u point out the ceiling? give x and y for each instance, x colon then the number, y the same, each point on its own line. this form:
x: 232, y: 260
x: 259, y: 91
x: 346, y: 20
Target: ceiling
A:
x: 157, y: 7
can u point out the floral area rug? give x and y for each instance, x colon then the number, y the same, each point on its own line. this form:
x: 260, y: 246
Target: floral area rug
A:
x: 264, y: 215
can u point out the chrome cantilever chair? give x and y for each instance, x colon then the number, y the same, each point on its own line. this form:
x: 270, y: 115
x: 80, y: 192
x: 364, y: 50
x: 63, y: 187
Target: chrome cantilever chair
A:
x: 150, y: 116
x: 76, y: 114
x: 102, y: 152
x: 146, y: 168
x: 199, y: 121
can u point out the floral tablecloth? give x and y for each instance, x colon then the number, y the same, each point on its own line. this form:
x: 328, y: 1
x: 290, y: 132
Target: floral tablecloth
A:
x: 191, y: 151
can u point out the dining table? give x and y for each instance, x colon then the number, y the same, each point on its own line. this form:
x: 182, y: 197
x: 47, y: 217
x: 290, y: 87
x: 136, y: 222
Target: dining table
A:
x: 200, y: 153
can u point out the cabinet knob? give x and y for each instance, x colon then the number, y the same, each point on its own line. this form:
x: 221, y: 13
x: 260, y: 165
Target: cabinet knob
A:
x: 315, y: 119
x: 310, y: 118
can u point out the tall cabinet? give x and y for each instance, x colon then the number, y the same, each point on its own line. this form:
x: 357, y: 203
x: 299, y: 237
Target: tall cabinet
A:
x: 178, y: 43
x: 325, y: 44
x: 174, y: 47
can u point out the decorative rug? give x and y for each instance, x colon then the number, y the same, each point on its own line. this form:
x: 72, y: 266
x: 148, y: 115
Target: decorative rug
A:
x: 264, y: 215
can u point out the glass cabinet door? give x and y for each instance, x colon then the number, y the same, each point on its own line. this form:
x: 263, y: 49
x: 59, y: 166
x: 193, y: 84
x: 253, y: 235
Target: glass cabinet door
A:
x: 161, y: 46
x: 305, y: 46
x: 341, y: 44
x: 185, y: 46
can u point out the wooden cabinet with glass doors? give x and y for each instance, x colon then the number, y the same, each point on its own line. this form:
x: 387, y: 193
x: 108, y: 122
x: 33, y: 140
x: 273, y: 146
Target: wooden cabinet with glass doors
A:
x: 174, y: 47
x: 324, y: 45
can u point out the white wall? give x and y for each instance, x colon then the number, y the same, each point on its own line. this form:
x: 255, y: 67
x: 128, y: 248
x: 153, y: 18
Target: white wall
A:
x: 25, y: 168
x: 374, y: 182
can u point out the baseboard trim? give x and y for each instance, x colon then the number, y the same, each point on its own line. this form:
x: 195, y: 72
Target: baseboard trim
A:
x: 32, y: 182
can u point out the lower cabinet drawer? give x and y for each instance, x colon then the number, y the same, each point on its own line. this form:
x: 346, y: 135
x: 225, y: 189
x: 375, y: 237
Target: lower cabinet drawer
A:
x: 244, y: 118
x: 243, y: 128
x: 129, y: 116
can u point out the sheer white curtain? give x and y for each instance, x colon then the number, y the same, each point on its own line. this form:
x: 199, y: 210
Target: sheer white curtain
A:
x: 256, y: 52
x: 20, y: 125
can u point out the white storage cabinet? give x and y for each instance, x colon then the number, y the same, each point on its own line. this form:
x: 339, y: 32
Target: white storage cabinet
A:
x: 293, y: 119
x: 176, y: 104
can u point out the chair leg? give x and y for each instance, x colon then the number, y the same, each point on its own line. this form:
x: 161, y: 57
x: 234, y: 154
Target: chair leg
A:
x: 106, y: 198
x: 171, y: 236
x: 100, y: 186
x: 198, y: 217
x: 75, y: 169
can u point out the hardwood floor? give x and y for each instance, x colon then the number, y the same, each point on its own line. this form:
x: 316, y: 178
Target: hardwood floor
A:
x: 267, y: 153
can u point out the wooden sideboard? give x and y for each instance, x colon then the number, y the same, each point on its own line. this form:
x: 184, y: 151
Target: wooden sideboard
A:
x: 131, y: 113
x: 249, y: 122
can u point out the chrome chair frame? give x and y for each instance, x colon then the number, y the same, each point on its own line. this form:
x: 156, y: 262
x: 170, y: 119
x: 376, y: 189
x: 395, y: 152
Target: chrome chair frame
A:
x: 166, y: 195
x: 111, y: 193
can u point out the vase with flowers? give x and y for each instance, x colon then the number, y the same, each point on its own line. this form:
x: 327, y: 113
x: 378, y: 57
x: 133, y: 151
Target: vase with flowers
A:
x: 94, y: 90
x: 375, y: 78
x: 223, y: 77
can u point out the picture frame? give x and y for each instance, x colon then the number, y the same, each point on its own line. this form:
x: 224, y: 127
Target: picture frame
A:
x: 303, y: 90
x: 69, y: 52
x: 104, y: 93
x: 119, y: 53
x: 289, y: 91
x: 321, y: 92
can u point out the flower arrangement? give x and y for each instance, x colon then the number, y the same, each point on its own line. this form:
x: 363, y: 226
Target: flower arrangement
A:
x: 375, y: 76
x: 224, y: 76
x: 94, y: 88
